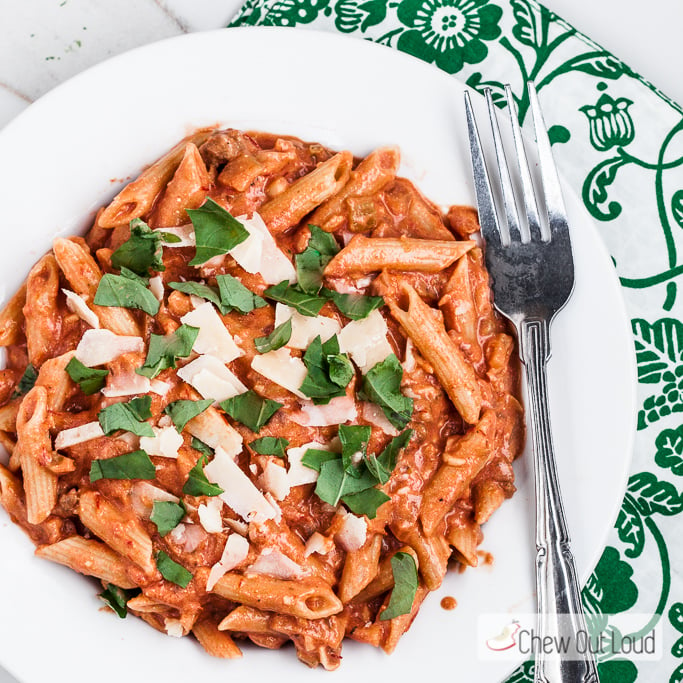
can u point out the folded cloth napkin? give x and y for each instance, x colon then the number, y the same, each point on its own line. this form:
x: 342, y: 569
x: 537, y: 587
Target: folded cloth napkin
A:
x: 619, y: 143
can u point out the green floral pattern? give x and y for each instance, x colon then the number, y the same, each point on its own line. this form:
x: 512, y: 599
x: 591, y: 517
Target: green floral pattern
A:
x: 619, y: 142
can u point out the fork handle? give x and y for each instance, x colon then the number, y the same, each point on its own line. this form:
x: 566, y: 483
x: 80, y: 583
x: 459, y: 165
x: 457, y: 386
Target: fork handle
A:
x: 560, y: 613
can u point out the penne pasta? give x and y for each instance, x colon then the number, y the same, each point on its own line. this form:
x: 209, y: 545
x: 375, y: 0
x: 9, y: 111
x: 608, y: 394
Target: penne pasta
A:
x: 12, y: 318
x: 43, y: 323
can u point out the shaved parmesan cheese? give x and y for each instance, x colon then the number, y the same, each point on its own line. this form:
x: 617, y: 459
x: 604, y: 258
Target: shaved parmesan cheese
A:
x: 275, y: 480
x: 156, y: 286
x: 318, y: 543
x: 339, y: 410
x: 366, y: 341
x: 165, y: 442
x: 353, y: 531
x: 272, y: 562
x: 132, y: 441
x: 259, y: 253
x: 98, y: 347
x: 235, y: 552
x: 209, y: 376
x: 126, y: 384
x: 184, y: 232
x: 282, y: 368
x: 189, y: 535
x: 305, y: 328
x: 239, y: 492
x: 213, y: 337
x: 210, y: 515
x: 159, y: 387
x: 375, y: 415
x: 76, y: 303
x: 298, y: 473
x: 70, y: 437
x: 211, y: 428
x: 142, y: 497
x: 174, y: 627
x: 410, y: 361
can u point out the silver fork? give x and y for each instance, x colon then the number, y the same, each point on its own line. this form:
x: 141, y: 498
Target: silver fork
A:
x: 532, y: 273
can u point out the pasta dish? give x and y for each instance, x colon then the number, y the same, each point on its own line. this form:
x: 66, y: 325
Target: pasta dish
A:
x: 266, y: 397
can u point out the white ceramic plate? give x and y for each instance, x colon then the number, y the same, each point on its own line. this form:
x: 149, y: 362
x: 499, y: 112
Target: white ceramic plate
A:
x: 69, y: 153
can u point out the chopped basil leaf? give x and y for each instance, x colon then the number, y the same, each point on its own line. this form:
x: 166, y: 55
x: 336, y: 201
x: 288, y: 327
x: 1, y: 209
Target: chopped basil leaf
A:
x: 354, y: 441
x: 323, y: 242
x: 354, y: 306
x: 250, y: 409
x: 311, y: 262
x: 141, y: 251
x: 167, y: 515
x: 366, y: 502
x: 88, y: 379
x: 382, y: 385
x: 201, y: 446
x: 169, y: 237
x: 216, y: 231
x: 235, y: 296
x: 182, y: 411
x: 405, y: 586
x: 315, y: 457
x: 163, y: 351
x: 204, y: 291
x: 28, y: 379
x: 127, y: 416
x: 329, y: 372
x: 306, y: 304
x: 197, y: 484
x: 383, y: 465
x: 172, y: 571
x: 276, y: 339
x: 135, y: 465
x: 334, y: 482
x: 117, y: 598
x: 270, y: 445
x: 120, y: 290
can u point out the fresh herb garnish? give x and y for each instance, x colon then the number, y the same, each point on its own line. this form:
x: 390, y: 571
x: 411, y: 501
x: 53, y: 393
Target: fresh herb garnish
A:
x: 135, y: 465
x: 310, y: 264
x: 382, y: 385
x: 28, y: 379
x: 216, y: 231
x: 235, y: 296
x: 276, y: 339
x: 197, y: 484
x: 329, y: 372
x: 354, y: 306
x: 404, y: 570
x: 117, y: 598
x: 354, y: 441
x: 335, y: 483
x: 383, y: 465
x: 250, y: 409
x: 366, y: 502
x: 201, y: 446
x: 127, y: 292
x: 204, y: 291
x: 141, y: 252
x: 183, y: 410
x: 90, y: 380
x: 270, y: 445
x: 167, y: 515
x: 163, y: 351
x: 306, y: 304
x: 315, y: 457
x: 172, y: 571
x: 127, y: 416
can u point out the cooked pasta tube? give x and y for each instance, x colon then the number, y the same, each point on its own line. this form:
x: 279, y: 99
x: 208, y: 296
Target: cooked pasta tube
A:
x: 308, y: 598
x: 425, y: 327
x: 137, y: 198
x: 370, y: 176
x: 41, y: 313
x: 216, y: 643
x: 360, y: 568
x: 367, y: 254
x: 247, y: 620
x: 123, y: 533
x: 305, y: 194
x: 12, y: 318
x: 464, y: 457
x: 89, y: 557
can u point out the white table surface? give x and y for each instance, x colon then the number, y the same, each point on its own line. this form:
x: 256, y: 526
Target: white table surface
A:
x: 44, y: 42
